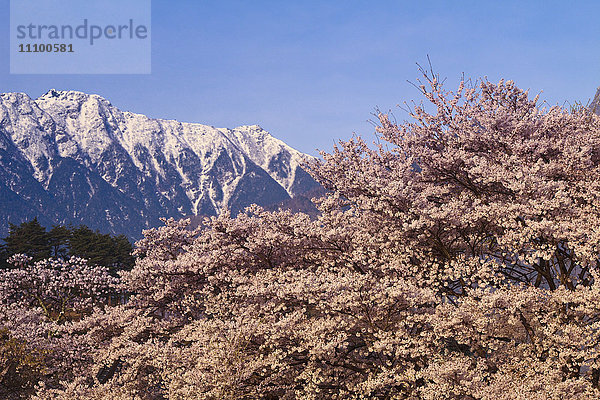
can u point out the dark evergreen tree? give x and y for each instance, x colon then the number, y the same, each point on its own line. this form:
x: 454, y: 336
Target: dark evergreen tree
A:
x: 3, y: 256
x: 101, y: 249
x: 123, y: 252
x: 32, y: 239
x: 58, y: 238
x: 29, y: 238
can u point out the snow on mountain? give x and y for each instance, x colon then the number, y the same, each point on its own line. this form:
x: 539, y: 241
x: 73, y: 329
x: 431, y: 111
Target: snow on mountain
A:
x: 75, y: 158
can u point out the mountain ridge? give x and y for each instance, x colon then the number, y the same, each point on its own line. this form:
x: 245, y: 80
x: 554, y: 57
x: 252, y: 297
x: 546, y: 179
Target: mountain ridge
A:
x: 75, y: 158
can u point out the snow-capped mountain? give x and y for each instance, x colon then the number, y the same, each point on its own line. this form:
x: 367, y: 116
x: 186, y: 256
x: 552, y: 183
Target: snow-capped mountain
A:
x: 71, y: 157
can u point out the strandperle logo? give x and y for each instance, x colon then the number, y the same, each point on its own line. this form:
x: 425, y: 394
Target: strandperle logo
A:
x: 80, y: 37
x: 93, y: 33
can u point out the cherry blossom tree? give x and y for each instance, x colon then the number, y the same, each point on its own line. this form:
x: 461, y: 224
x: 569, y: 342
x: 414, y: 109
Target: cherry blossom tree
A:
x: 458, y: 260
x: 39, y: 305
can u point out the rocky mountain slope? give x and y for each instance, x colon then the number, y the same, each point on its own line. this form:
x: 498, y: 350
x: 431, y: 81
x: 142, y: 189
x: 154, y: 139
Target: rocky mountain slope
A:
x: 70, y: 157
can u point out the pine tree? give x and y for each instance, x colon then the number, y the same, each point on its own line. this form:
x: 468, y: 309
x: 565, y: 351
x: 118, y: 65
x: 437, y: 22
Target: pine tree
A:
x: 101, y: 249
x: 59, y: 237
x: 29, y: 238
x: 3, y: 256
x: 63, y: 242
x: 123, y: 250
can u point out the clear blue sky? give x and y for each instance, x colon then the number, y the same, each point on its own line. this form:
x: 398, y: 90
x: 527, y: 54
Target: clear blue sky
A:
x: 311, y: 72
